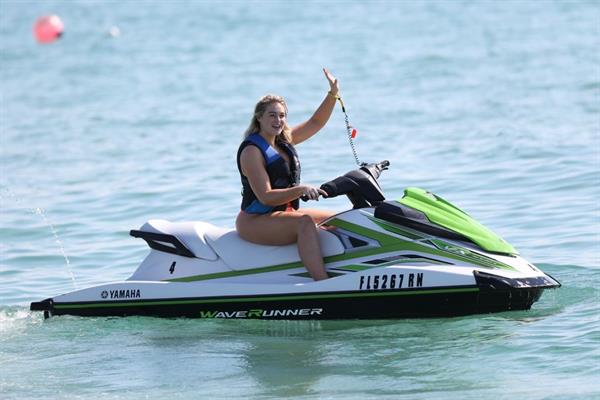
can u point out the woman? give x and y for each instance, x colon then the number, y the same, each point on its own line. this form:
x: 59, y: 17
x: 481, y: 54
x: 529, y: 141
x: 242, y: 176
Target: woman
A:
x: 270, y: 173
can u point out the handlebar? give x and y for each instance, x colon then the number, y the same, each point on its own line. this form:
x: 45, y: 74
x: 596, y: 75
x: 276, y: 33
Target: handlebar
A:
x: 354, y: 181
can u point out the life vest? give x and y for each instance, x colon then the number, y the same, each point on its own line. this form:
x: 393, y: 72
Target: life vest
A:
x: 281, y: 175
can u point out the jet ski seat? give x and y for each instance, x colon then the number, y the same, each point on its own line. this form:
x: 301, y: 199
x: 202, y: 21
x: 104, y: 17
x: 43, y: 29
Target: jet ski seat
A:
x: 240, y: 254
x: 209, y: 242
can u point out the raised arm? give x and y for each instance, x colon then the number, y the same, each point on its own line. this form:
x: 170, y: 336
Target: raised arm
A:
x: 318, y: 120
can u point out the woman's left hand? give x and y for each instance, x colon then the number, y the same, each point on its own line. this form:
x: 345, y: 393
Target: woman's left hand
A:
x: 333, y: 82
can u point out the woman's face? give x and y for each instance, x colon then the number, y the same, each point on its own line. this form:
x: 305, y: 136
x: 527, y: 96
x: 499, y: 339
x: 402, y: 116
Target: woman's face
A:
x: 273, y: 119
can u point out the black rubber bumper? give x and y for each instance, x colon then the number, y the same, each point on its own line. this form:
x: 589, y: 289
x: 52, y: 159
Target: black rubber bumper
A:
x: 486, y: 281
x: 44, y: 305
x: 497, y: 293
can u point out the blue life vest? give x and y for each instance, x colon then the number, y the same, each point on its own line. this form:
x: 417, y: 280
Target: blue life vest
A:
x: 281, y: 174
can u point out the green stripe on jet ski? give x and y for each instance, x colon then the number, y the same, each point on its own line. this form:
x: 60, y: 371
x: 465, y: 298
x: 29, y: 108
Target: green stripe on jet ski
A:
x: 383, y: 239
x: 136, y: 303
x: 389, y: 242
x: 307, y: 275
x: 395, y: 229
x: 423, y: 260
x: 356, y: 268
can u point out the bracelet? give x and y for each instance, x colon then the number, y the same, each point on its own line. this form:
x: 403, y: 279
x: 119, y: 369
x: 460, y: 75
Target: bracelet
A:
x: 335, y: 96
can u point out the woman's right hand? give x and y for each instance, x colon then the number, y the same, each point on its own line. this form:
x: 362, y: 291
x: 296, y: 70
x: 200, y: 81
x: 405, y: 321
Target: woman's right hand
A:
x: 312, y: 192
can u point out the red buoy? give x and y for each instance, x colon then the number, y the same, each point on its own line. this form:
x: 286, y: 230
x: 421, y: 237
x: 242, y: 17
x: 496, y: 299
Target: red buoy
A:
x: 48, y: 28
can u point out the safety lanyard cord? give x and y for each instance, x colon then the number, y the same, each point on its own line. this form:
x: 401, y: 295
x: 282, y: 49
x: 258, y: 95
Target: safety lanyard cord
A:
x: 349, y: 131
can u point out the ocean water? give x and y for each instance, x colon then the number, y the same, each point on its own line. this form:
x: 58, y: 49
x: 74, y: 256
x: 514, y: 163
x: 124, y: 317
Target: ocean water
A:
x: 492, y: 105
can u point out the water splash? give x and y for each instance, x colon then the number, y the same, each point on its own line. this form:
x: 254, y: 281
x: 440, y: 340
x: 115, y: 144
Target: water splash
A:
x: 6, y: 192
x: 15, y: 319
x: 40, y: 211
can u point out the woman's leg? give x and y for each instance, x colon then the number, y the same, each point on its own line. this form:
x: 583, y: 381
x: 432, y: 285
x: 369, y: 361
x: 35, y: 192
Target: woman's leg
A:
x: 281, y: 228
x: 317, y: 215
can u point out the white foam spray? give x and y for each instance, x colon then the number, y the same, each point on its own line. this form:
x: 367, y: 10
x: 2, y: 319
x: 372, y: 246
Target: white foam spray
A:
x: 40, y: 211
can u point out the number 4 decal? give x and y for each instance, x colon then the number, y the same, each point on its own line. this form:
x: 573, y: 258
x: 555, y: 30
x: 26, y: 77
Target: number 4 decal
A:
x: 172, y: 269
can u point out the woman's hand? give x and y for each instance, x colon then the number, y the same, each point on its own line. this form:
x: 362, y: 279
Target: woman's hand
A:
x: 308, y: 128
x: 333, y: 82
x: 312, y: 192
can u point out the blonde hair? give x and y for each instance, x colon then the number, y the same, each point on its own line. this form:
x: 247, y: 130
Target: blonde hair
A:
x: 259, y: 110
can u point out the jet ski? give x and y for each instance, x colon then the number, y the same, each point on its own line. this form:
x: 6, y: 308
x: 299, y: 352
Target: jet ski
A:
x: 419, y: 256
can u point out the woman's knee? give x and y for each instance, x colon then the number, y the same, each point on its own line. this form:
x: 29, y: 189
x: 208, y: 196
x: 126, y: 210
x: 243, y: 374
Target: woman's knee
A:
x: 306, y: 222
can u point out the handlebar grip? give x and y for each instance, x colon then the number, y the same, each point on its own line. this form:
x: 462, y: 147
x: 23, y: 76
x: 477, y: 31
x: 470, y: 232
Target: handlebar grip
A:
x: 330, y: 188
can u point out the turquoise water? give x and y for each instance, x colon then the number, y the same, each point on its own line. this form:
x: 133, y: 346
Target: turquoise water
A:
x: 493, y: 105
